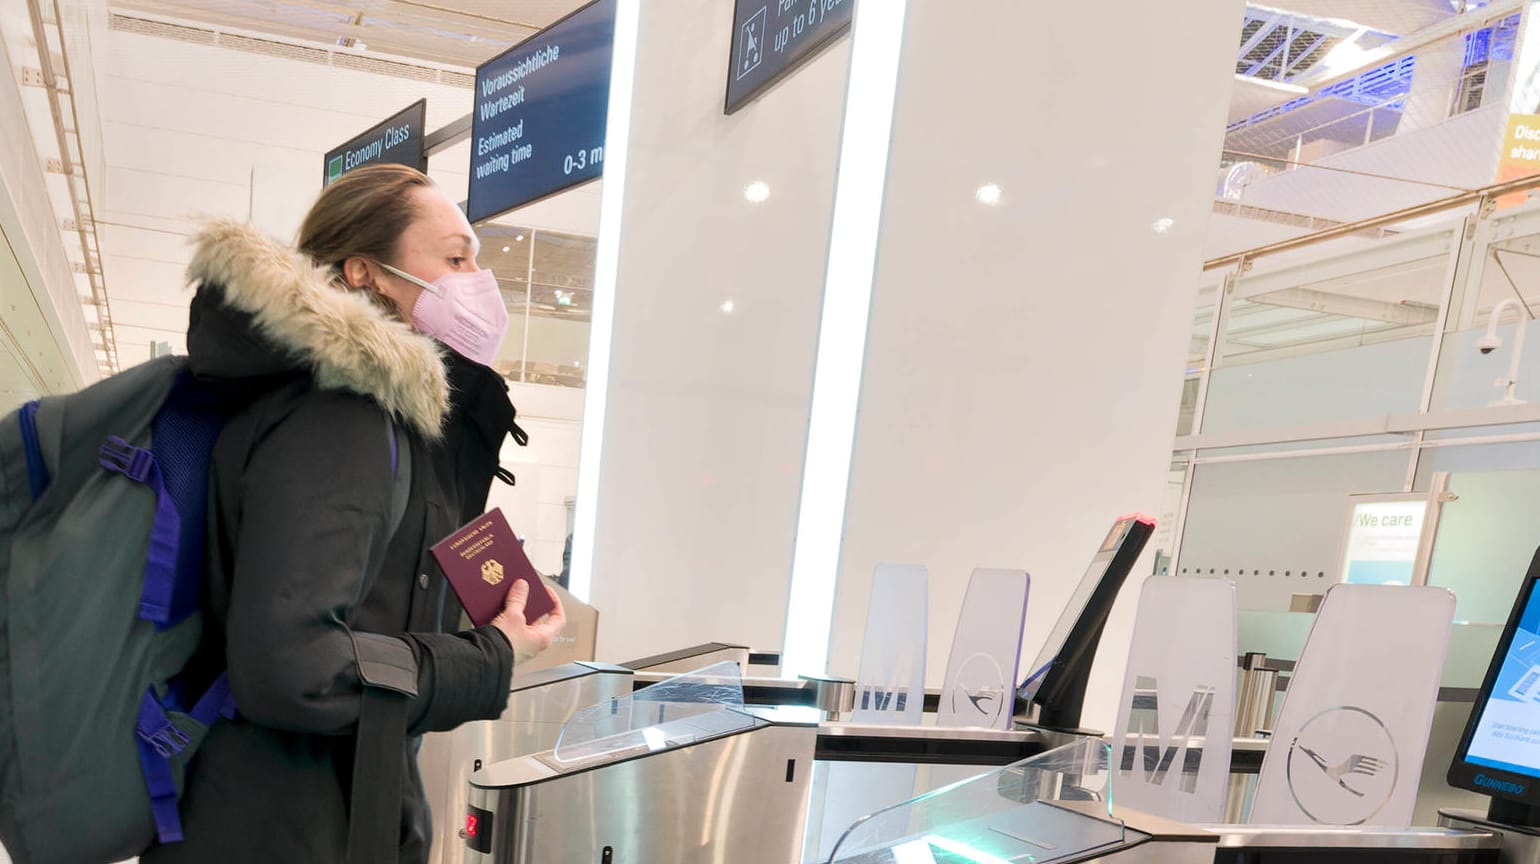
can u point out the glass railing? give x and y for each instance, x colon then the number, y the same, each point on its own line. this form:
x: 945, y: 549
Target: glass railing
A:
x: 1052, y: 807
x: 1367, y: 321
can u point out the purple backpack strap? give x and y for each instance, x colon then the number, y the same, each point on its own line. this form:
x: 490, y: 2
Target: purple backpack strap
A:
x: 139, y: 465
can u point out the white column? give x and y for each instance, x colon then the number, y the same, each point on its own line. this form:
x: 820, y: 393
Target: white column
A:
x: 1046, y: 201
x: 716, y: 313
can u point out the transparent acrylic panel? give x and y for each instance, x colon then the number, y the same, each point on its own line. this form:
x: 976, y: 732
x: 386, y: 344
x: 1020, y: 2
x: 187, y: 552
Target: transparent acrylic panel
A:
x: 685, y: 709
x: 1351, y: 736
x: 981, y: 672
x: 852, y: 790
x: 890, y: 688
x: 1172, y: 741
x: 1052, y: 807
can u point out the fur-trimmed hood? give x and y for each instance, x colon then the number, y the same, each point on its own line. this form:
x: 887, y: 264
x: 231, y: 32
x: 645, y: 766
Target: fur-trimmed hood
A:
x: 302, y: 321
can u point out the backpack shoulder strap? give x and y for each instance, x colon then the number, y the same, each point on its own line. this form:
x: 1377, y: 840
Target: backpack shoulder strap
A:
x: 401, y: 469
x: 375, y: 814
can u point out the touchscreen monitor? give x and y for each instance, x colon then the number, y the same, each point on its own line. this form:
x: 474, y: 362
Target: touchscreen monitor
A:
x: 1499, y: 754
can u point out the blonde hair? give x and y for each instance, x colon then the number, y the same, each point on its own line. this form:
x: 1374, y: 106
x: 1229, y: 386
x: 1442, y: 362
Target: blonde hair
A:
x: 362, y: 215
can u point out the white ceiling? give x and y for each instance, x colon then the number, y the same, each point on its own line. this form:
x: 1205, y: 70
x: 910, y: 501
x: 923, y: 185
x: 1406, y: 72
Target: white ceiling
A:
x: 1397, y: 17
x: 454, y: 32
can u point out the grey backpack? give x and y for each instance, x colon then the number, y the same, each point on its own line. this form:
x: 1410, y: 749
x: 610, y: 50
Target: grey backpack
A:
x: 103, y: 501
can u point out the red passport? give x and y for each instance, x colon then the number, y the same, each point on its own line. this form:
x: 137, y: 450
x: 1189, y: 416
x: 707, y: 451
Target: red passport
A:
x: 482, y: 561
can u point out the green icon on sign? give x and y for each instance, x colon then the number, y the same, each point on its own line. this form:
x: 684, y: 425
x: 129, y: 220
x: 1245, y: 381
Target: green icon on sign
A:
x: 333, y: 170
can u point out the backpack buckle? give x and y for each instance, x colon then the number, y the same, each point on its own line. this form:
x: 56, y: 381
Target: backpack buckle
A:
x: 156, y: 729
x: 118, y: 455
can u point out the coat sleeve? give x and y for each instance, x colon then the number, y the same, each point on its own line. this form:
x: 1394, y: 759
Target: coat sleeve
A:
x: 315, y: 495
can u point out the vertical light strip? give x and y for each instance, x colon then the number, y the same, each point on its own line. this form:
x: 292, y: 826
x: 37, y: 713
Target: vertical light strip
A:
x: 877, y: 42
x: 617, y: 139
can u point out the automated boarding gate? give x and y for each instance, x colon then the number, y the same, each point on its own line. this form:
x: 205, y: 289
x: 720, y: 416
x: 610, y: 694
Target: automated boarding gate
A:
x: 684, y: 771
x: 681, y: 771
x: 539, y: 705
x: 1058, y: 808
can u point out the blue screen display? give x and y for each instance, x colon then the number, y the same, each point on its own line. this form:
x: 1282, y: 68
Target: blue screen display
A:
x: 539, y: 118
x: 1507, y: 735
x: 773, y: 37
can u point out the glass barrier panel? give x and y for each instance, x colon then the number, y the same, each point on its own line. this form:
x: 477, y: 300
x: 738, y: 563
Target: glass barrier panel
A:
x: 1053, y: 807
x: 1197, y: 349
x: 1277, y: 526
x: 1502, y: 279
x: 505, y: 250
x: 1337, y: 331
x: 561, y: 309
x: 692, y: 707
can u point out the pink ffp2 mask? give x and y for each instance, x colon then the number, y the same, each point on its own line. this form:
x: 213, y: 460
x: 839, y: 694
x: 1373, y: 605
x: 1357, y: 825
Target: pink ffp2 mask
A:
x: 463, y: 310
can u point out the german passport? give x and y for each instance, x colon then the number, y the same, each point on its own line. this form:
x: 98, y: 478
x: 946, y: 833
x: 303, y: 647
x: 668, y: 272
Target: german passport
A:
x: 482, y: 560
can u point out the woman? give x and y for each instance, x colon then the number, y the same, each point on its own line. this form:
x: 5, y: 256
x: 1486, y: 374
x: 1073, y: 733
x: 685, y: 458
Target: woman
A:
x: 316, y: 606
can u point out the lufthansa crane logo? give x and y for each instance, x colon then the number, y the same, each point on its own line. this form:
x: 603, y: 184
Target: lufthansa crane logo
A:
x: 979, y: 693
x: 1343, y: 766
x: 491, y: 572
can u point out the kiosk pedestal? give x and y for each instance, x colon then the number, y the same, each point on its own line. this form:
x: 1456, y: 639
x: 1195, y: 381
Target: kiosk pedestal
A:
x: 1516, y: 826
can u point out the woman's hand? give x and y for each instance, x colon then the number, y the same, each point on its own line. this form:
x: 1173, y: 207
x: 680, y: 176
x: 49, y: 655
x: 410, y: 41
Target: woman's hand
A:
x: 527, y: 639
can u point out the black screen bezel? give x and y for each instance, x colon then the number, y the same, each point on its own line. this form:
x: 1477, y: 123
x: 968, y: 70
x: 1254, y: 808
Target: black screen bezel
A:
x: 1080, y: 643
x: 1462, y: 774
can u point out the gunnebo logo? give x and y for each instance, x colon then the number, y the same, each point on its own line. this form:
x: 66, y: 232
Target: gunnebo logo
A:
x: 1486, y: 782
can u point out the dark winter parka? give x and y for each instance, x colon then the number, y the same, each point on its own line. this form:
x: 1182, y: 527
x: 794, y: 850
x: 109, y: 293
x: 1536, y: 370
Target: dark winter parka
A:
x: 301, y: 490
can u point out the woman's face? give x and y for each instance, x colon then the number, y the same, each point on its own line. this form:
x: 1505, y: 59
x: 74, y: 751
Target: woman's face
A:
x: 438, y: 241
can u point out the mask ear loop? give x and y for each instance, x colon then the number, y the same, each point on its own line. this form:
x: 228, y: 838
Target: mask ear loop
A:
x: 425, y: 285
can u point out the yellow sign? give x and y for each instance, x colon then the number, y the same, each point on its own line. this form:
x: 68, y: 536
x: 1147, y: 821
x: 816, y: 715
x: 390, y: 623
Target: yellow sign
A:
x: 1520, y: 156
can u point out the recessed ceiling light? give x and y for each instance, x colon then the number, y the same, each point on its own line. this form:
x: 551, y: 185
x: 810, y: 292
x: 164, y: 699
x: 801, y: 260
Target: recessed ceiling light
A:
x: 757, y: 192
x: 1161, y: 226
x: 989, y: 194
x: 507, y: 248
x: 728, y: 306
x: 520, y: 238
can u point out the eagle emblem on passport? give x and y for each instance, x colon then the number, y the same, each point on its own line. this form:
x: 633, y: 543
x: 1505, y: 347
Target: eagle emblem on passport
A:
x: 482, y: 560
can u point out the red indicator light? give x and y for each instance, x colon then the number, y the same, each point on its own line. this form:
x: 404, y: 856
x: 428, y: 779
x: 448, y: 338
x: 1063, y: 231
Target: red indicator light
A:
x: 471, y: 822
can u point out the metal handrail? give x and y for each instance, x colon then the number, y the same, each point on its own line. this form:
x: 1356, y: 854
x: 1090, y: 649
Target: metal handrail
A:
x: 1416, y: 211
x: 72, y: 162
